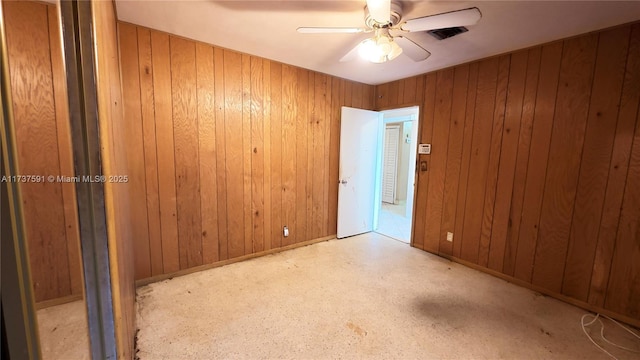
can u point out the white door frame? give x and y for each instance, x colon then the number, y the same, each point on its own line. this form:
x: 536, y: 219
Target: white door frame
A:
x: 412, y: 114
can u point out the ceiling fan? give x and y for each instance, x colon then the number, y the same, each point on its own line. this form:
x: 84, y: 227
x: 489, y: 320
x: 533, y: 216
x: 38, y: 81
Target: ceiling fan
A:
x: 384, y: 19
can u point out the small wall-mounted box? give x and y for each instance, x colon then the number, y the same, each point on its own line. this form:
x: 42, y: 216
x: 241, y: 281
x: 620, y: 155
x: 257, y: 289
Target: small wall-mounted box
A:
x: 424, y: 149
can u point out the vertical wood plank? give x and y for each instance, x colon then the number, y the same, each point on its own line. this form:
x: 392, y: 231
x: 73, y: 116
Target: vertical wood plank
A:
x: 479, y: 162
x: 221, y: 160
x: 289, y: 151
x: 35, y: 126
x: 522, y: 160
x: 319, y: 176
x: 304, y: 147
x: 65, y: 152
x: 356, y: 98
x: 618, y: 170
x: 440, y: 143
x: 310, y: 119
x: 409, y: 91
x: 596, y: 156
x: 454, y: 156
x: 572, y: 104
x: 328, y: 94
x: 234, y: 153
x: 508, y: 158
x: 133, y: 141
x: 537, y: 167
x: 185, y: 133
x: 258, y: 156
x: 276, y: 154
x: 337, y: 93
x: 422, y: 184
x: 160, y: 58
x: 266, y: 134
x: 494, y: 159
x: 207, y: 152
x: 247, y: 151
x: 469, y: 118
x: 149, y: 141
x: 348, y: 93
x: 111, y: 123
x: 623, y: 290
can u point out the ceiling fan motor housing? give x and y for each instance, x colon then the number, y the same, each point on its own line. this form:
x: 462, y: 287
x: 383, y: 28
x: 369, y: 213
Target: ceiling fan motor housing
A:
x: 396, y: 16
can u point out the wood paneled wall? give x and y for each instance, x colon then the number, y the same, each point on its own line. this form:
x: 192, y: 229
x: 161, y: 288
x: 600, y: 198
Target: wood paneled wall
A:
x: 225, y: 149
x: 38, y: 85
x: 118, y: 202
x: 535, y: 165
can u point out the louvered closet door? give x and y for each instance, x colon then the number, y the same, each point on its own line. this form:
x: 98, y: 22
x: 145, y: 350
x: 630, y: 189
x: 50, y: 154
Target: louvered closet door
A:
x: 390, y: 163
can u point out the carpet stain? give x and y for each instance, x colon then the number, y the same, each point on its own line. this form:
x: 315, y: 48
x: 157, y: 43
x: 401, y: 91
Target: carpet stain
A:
x: 356, y: 329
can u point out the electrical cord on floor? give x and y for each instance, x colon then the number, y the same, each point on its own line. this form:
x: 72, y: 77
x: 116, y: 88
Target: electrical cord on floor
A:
x: 597, y: 318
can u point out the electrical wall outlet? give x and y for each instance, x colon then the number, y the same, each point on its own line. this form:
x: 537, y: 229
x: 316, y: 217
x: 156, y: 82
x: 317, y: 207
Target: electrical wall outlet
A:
x: 285, y: 231
x: 449, y: 236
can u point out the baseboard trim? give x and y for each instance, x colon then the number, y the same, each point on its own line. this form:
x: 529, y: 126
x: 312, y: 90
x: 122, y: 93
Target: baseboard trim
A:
x: 58, y: 301
x: 152, y: 279
x: 561, y: 297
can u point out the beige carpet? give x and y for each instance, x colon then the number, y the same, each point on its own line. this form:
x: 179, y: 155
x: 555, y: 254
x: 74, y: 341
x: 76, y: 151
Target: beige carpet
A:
x: 362, y: 297
x: 63, y: 332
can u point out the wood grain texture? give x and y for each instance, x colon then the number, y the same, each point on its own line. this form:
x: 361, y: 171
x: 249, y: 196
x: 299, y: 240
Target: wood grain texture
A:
x: 65, y: 153
x: 117, y: 195
x: 301, y: 96
x: 276, y: 154
x: 221, y: 159
x: 289, y: 112
x: 618, y: 170
x: 541, y: 176
x: 479, y: 161
x: 247, y: 151
x: 572, y: 104
x: 258, y: 156
x: 522, y: 161
x: 205, y: 87
x: 31, y: 79
x: 150, y: 149
x: 163, y: 106
x: 318, y: 122
x: 185, y: 130
x: 425, y: 136
x: 266, y: 129
x: 508, y: 155
x: 337, y: 96
x: 596, y: 155
x: 234, y: 153
x: 466, y: 158
x: 438, y: 168
x: 623, y: 287
x: 133, y: 140
x: 623, y: 290
x: 494, y: 159
x: 537, y: 166
x: 454, y: 156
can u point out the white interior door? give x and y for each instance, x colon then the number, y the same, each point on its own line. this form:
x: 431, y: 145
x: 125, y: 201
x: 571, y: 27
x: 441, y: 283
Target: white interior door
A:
x: 359, y: 133
x: 390, y: 163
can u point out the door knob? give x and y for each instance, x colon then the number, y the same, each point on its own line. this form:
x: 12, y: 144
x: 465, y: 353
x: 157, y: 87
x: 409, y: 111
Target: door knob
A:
x: 343, y: 182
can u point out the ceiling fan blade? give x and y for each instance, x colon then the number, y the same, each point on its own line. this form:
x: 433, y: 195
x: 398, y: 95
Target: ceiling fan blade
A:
x: 411, y: 49
x: 330, y: 30
x: 380, y: 10
x: 445, y: 20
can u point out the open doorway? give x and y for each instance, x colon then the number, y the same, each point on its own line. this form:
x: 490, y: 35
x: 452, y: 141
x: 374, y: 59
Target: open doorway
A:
x: 396, y: 174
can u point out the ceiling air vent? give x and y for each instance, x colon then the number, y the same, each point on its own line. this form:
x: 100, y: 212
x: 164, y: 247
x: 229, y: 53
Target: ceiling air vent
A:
x: 442, y: 34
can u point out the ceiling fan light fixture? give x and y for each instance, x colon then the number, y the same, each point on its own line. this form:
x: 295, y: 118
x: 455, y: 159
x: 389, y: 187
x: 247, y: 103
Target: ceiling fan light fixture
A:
x: 379, y: 49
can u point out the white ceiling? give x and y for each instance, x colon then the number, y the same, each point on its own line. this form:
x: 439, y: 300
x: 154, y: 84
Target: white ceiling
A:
x: 268, y: 29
